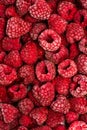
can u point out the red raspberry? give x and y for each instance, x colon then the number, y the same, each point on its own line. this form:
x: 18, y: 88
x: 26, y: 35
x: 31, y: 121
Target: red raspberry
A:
x: 14, y: 124
x: 39, y: 115
x: 78, y: 125
x: 74, y: 32
x: 22, y: 128
x: 84, y: 3
x: 9, y: 112
x: 40, y: 10
x: 67, y: 10
x: 4, y: 126
x: 17, y: 92
x: 7, y: 75
x: 57, y: 23
x: 26, y: 38
x: 82, y: 45
x: 25, y: 106
x: 67, y: 68
x: 57, y: 56
x: 2, y: 28
x: 49, y: 40
x: 29, y: 53
x: 44, y: 94
x: 54, y: 118
x: 42, y: 128
x: 83, y: 117
x: 2, y: 55
x: 45, y: 71
x: 52, y: 4
x: 17, y: 27
x: 8, y: 2
x: 13, y: 59
x: 61, y: 105
x: 60, y: 127
x: 3, y: 94
x: 2, y: 10
x: 41, y: 52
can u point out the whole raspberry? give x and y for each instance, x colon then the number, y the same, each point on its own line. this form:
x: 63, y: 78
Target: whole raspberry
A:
x: 2, y: 10
x: 61, y: 105
x: 40, y: 10
x: 74, y: 32
x: 60, y: 127
x: 22, y: 128
x: 45, y: 70
x: 82, y: 45
x: 17, y: 27
x: 54, y: 118
x: 49, y: 40
x: 2, y: 28
x: 44, y: 127
x: 39, y: 115
x: 9, y: 112
x: 84, y: 3
x: 8, y: 2
x: 29, y: 53
x: 25, y: 106
x: 67, y: 10
x: 44, y: 94
x: 57, y: 23
x: 7, y: 75
x: 67, y: 68
x: 78, y: 125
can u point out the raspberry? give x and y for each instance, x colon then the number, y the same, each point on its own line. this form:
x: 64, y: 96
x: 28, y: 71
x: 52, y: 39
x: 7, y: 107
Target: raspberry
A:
x: 74, y: 32
x: 52, y: 5
x: 78, y: 125
x: 25, y: 106
x: 2, y: 10
x: 42, y: 128
x: 61, y: 105
x: 17, y: 92
x: 29, y: 53
x: 45, y: 71
x: 9, y: 112
x: 13, y: 59
x: 54, y: 118
x: 26, y: 72
x: 40, y: 10
x: 2, y: 28
x: 45, y: 94
x: 49, y: 40
x: 82, y: 45
x: 83, y: 117
x: 2, y: 55
x: 3, y: 94
x: 67, y: 10
x: 67, y: 68
x: 84, y: 3
x: 60, y: 127
x: 17, y: 27
x: 57, y: 56
x: 14, y: 124
x: 22, y: 128
x: 41, y: 52
x: 8, y: 2
x: 39, y: 114
x: 57, y: 23
x: 4, y: 126
x: 7, y: 75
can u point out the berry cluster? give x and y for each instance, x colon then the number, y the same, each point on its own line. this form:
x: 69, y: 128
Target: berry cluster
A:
x: 43, y: 64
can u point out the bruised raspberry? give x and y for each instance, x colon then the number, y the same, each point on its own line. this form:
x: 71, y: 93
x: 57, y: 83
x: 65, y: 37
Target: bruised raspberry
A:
x: 49, y: 40
x: 17, y: 27
x: 2, y: 28
x: 44, y: 94
x: 57, y: 23
x: 82, y: 45
x: 67, y: 68
x: 22, y: 128
x: 44, y: 127
x: 45, y: 71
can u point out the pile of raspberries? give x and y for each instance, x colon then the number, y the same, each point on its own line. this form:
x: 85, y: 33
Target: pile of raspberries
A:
x: 43, y: 64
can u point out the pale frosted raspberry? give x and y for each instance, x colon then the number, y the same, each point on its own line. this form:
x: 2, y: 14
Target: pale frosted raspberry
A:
x: 82, y: 45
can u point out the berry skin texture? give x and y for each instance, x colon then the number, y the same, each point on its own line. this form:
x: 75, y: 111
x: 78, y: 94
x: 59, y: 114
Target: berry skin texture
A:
x: 49, y: 40
x: 60, y: 127
x: 74, y: 32
x: 17, y: 27
x: 61, y: 105
x: 82, y: 45
x: 80, y: 125
x: 22, y: 128
x: 29, y: 53
x: 8, y: 2
x: 44, y: 127
x: 40, y: 10
x: 84, y: 3
x: 2, y: 10
x: 25, y: 106
x: 44, y: 94
x: 2, y: 27
x: 67, y: 68
x: 45, y: 71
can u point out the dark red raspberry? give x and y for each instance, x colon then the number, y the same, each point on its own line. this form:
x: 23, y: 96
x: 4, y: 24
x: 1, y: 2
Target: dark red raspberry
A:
x: 4, y: 126
x: 53, y: 5
x: 2, y: 55
x: 49, y: 40
x: 83, y: 117
x: 8, y: 2
x: 82, y: 45
x: 22, y: 128
x: 3, y: 94
x: 60, y: 127
x: 2, y: 28
x: 2, y: 10
x: 44, y: 127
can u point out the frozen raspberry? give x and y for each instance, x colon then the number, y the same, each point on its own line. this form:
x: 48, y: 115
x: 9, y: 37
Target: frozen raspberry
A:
x: 84, y: 3
x: 54, y: 118
x: 25, y: 106
x: 8, y: 2
x: 67, y: 10
x: 82, y: 45
x: 17, y: 92
x: 17, y: 27
x: 44, y: 94
x: 61, y: 105
x: 49, y: 40
x: 22, y: 128
x: 36, y: 30
x: 40, y: 10
x: 57, y: 23
x: 13, y: 59
x: 9, y: 44
x: 78, y: 125
x: 45, y: 71
x: 29, y: 53
x: 2, y: 28
x: 7, y: 75
x: 2, y: 10
x: 44, y: 127
x: 60, y: 127
x: 26, y: 72
x: 67, y: 68
x: 9, y: 112
x: 57, y: 56
x: 74, y: 32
